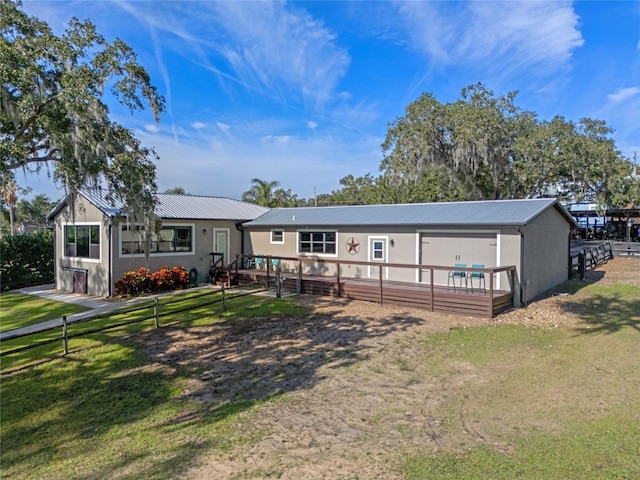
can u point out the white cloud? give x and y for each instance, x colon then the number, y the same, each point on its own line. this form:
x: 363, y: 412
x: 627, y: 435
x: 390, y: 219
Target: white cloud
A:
x: 312, y: 125
x: 275, y: 46
x: 623, y: 94
x: 152, y: 128
x: 299, y: 164
x: 226, y: 129
x: 199, y: 125
x: 505, y: 35
x: 277, y: 139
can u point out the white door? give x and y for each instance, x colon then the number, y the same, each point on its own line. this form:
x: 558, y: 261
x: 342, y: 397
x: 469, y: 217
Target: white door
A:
x: 221, y: 244
x: 377, y: 253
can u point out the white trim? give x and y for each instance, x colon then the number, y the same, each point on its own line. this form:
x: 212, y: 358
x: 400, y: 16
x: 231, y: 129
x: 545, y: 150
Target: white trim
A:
x: 385, y: 251
x: 227, y: 246
x: 271, y: 241
x: 315, y: 254
x: 159, y: 254
x: 82, y: 259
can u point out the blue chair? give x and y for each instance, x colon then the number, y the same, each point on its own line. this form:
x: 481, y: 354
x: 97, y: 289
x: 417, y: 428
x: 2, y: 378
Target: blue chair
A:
x: 460, y: 274
x: 275, y: 262
x: 256, y: 262
x: 478, y: 275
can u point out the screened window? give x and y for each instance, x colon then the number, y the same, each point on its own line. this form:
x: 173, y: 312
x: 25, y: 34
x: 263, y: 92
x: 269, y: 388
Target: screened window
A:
x: 277, y: 236
x: 82, y: 241
x: 169, y: 239
x: 317, y: 242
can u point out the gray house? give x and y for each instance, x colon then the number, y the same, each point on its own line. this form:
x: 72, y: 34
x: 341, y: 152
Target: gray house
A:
x: 532, y: 235
x: 95, y: 245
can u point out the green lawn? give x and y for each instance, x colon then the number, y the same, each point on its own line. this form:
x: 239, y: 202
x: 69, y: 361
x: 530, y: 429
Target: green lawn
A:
x: 102, y: 412
x: 19, y: 310
x: 547, y: 404
x: 537, y: 403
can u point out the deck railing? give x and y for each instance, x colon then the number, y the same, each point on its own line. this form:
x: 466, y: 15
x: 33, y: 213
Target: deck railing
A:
x: 269, y: 274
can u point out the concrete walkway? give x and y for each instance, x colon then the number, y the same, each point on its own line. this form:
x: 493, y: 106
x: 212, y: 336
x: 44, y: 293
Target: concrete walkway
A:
x: 96, y: 305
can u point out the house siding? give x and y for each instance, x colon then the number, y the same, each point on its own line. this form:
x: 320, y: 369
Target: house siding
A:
x: 102, y: 273
x: 538, y: 250
x: 82, y: 212
x: 546, y: 253
x: 200, y: 258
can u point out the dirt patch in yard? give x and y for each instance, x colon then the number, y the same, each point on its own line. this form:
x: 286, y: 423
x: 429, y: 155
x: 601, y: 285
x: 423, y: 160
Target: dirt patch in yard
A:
x: 346, y: 396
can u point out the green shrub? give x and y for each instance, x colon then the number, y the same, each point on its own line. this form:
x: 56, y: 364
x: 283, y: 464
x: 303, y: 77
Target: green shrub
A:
x: 26, y: 260
x: 142, y: 281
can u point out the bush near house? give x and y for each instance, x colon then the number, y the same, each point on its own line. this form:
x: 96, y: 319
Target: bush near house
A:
x: 142, y: 281
x: 26, y: 260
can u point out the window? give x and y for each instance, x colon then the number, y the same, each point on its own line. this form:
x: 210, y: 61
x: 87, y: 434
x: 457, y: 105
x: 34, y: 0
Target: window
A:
x: 378, y: 250
x: 82, y: 241
x: 277, y: 236
x: 169, y: 239
x: 317, y: 242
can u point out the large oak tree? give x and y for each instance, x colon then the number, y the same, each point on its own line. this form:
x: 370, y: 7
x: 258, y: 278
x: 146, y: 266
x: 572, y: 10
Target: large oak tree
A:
x: 54, y: 115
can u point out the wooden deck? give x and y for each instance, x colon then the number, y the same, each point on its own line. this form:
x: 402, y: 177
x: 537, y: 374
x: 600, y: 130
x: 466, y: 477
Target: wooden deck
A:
x: 439, y: 298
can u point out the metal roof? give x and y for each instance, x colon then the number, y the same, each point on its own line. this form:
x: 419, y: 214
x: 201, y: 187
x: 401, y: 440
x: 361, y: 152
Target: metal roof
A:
x: 491, y: 212
x: 173, y: 206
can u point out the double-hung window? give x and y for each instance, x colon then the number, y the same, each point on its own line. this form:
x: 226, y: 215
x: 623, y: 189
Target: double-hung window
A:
x: 317, y: 242
x: 82, y: 241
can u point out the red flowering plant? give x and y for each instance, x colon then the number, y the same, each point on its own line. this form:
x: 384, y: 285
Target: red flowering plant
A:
x: 170, y: 278
x: 141, y: 281
x: 135, y: 282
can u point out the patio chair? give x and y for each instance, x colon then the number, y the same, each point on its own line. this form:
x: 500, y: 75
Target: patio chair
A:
x: 479, y: 276
x: 274, y: 263
x: 256, y: 262
x: 460, y: 274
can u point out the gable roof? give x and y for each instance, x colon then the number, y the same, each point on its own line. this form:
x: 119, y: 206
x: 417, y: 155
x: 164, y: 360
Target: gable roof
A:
x: 488, y: 212
x: 174, y: 206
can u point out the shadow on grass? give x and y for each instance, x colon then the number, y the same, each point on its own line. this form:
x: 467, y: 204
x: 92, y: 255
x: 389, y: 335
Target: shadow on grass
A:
x: 176, y: 385
x: 575, y: 285
x: 607, y: 314
x: 256, y: 359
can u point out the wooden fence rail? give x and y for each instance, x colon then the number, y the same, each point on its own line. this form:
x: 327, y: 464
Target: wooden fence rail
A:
x: 153, y: 305
x: 589, y: 258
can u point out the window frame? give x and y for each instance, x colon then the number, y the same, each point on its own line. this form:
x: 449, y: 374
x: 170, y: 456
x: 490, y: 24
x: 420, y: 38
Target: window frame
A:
x: 92, y: 246
x: 275, y: 241
x: 155, y: 252
x: 314, y: 241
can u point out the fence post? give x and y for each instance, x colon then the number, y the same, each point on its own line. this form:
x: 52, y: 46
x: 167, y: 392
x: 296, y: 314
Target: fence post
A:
x: 156, y: 307
x: 278, y: 282
x: 380, y: 268
x: 581, y: 265
x: 224, y: 299
x: 299, y: 283
x: 65, y: 338
x: 431, y: 286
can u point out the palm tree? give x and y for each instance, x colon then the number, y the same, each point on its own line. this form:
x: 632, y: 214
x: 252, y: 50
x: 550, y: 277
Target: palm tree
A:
x: 9, y: 192
x: 261, y: 192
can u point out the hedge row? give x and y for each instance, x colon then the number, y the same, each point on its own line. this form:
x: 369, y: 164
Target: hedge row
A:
x: 26, y: 260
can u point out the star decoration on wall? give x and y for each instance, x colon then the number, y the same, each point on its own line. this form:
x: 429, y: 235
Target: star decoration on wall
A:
x: 353, y: 246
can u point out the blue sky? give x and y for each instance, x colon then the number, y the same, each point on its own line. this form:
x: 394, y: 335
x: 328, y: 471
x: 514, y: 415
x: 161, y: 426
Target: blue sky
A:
x: 302, y: 92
